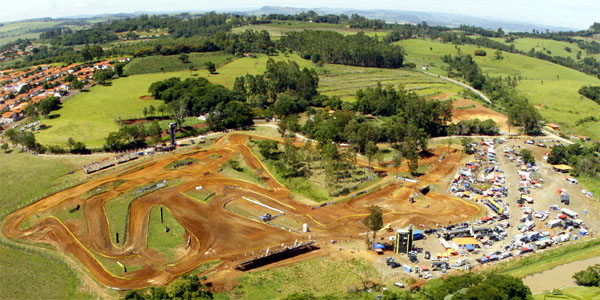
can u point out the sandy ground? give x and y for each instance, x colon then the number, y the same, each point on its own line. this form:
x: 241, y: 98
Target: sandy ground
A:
x: 559, y: 277
x: 216, y: 232
x: 477, y: 112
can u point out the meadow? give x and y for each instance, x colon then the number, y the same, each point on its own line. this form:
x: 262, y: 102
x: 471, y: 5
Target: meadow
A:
x: 547, y: 85
x: 25, y: 177
x: 89, y: 116
x: 166, y: 243
x: 277, y: 28
x: 575, y: 293
x: 550, y: 47
x: 172, y: 63
x: 342, y: 275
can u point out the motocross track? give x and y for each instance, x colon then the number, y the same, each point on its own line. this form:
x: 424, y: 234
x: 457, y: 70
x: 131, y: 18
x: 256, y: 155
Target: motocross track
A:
x: 217, y: 233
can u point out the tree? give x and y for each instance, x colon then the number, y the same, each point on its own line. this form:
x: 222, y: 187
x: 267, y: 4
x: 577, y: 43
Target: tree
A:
x: 370, y: 151
x: 70, y: 143
x: 155, y: 132
x: 184, y: 58
x: 397, y: 162
x: 119, y: 69
x: 5, y: 147
x: 210, y: 66
x: 499, y: 54
x: 179, y: 112
x: 145, y: 111
x: 527, y: 156
x: 151, y: 110
x: 49, y: 104
x: 374, y: 221
x: 589, y: 276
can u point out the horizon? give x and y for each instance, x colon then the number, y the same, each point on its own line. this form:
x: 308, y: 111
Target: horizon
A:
x: 578, y: 14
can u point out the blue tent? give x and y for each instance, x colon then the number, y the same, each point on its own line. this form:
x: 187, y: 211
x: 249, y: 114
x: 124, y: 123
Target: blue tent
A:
x: 469, y: 247
x: 378, y: 246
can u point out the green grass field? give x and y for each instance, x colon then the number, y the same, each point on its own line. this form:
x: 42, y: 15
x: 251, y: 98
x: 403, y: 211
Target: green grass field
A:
x: 245, y: 174
x: 25, y: 177
x: 277, y: 29
x: 30, y: 274
x: 574, y: 293
x: 344, y: 81
x: 117, y: 208
x: 318, y: 276
x: 549, y: 47
x: 544, y: 83
x: 166, y: 243
x: 171, y: 63
x: 89, y: 116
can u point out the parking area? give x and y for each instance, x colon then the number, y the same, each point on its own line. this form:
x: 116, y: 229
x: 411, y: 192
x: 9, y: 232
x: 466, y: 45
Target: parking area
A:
x: 530, y: 208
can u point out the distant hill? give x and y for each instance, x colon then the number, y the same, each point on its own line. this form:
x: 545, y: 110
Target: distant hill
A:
x: 414, y: 17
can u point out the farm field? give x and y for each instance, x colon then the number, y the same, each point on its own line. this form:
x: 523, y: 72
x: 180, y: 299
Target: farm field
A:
x: 545, y: 84
x: 171, y: 63
x: 89, y: 116
x: 20, y: 30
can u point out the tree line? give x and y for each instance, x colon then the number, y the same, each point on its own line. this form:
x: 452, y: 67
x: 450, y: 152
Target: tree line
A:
x: 354, y: 50
x: 584, y: 158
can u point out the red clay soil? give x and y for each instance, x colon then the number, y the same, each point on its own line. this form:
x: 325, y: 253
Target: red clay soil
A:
x: 216, y: 232
x: 477, y: 112
x: 147, y: 97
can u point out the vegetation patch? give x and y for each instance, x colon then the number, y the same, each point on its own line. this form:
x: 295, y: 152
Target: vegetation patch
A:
x: 117, y: 208
x: 238, y: 168
x: 161, y: 240
x: 172, y: 63
x: 549, y: 259
x: 182, y: 163
x: 53, y: 278
x: 103, y: 188
x: 320, y: 276
x: 202, y: 195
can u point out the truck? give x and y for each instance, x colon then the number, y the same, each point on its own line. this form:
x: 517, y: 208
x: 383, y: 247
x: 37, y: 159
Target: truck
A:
x: 569, y: 213
x: 528, y: 226
x: 564, y: 198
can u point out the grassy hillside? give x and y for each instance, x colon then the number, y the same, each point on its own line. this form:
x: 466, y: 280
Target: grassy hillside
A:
x: 171, y: 63
x: 278, y: 28
x: 550, y: 47
x: 24, y: 177
x: 31, y: 275
x: 546, y: 84
x: 90, y: 116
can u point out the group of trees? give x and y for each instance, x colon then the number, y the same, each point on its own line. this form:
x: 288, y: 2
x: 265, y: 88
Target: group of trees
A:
x: 591, y: 92
x: 283, y: 86
x: 187, y: 287
x: 354, y: 50
x: 589, y: 276
x: 475, y: 127
x: 584, y: 158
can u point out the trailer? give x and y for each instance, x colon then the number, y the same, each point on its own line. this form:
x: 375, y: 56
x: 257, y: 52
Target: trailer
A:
x: 553, y: 223
x: 570, y: 213
x: 499, y: 209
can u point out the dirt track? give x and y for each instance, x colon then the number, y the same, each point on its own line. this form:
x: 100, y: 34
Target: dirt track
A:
x: 216, y: 232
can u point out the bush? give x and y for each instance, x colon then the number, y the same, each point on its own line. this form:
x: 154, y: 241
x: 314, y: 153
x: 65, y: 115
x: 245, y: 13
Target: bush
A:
x: 480, y: 52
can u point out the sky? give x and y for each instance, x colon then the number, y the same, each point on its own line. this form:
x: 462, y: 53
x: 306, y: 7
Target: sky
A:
x: 579, y: 14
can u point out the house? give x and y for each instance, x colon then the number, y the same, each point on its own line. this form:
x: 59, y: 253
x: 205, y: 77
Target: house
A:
x: 553, y: 126
x: 9, y: 117
x: 561, y: 168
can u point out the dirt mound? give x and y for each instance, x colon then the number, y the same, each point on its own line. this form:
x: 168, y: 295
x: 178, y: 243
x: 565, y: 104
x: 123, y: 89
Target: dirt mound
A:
x: 464, y: 109
x: 147, y: 97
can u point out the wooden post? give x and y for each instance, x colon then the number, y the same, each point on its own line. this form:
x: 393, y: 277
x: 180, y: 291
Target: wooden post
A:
x: 117, y: 234
x: 161, y: 214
